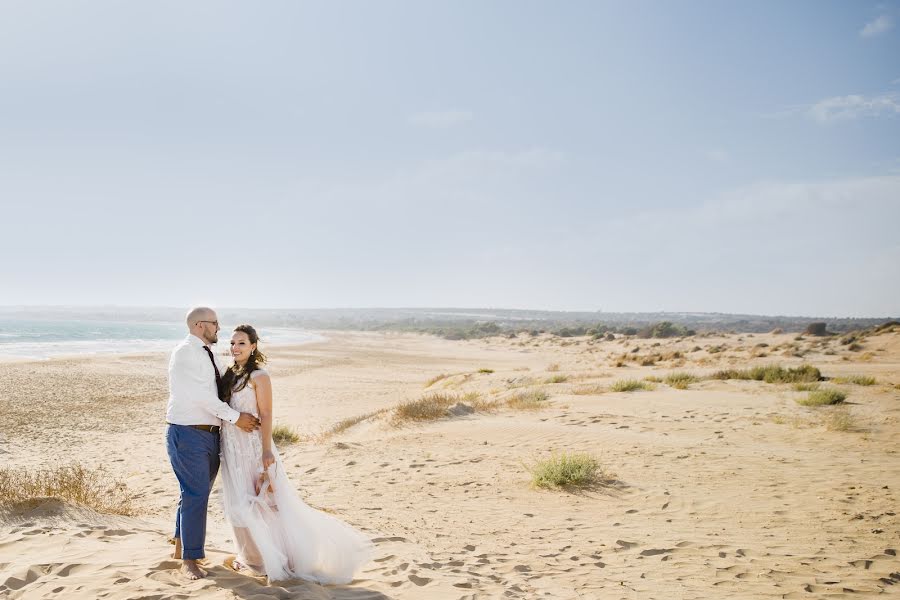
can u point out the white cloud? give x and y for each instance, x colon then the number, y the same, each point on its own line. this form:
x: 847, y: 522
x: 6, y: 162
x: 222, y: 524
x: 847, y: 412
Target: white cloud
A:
x: 854, y: 106
x: 442, y: 119
x: 880, y: 25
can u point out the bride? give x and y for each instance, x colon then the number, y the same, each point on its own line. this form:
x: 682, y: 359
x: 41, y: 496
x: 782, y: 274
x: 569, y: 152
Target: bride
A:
x: 276, y: 534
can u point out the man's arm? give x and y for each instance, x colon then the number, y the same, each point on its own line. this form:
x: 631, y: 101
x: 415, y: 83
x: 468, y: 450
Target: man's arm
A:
x: 186, y: 367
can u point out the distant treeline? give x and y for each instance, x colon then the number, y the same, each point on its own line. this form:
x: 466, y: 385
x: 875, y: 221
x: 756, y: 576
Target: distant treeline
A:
x: 467, y: 323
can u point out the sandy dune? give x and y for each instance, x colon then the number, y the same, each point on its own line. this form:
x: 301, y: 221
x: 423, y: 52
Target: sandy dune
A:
x: 725, y: 489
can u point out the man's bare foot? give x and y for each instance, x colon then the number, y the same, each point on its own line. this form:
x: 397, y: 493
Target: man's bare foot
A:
x: 176, y: 554
x: 191, y: 570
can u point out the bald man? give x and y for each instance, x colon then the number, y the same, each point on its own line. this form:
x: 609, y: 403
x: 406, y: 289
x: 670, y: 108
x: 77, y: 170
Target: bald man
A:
x: 194, y: 415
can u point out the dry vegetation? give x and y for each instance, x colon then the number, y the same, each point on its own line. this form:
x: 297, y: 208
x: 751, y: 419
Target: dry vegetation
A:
x: 631, y: 385
x: 772, y: 374
x: 93, y: 488
x: 282, y: 435
x: 530, y: 400
x: 864, y: 380
x: 567, y: 471
x: 680, y: 381
x: 823, y: 397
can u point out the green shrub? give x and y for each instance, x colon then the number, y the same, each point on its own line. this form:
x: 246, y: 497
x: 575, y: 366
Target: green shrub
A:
x: 575, y: 470
x: 823, y: 397
x: 557, y: 379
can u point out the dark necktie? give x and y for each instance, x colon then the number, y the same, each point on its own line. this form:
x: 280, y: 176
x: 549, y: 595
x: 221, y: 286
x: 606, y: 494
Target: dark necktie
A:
x: 215, y: 368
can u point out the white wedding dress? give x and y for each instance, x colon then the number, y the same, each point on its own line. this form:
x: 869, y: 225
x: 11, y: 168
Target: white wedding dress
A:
x: 276, y: 533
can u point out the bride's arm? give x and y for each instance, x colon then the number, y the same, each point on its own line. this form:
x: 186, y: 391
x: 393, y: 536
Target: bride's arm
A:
x: 264, y: 404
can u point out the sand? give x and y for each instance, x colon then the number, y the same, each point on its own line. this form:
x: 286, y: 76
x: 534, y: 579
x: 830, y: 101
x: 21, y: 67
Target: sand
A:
x: 725, y: 489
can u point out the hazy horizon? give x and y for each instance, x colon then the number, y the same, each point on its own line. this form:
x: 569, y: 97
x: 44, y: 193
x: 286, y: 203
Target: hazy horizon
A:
x: 176, y: 310
x: 629, y: 157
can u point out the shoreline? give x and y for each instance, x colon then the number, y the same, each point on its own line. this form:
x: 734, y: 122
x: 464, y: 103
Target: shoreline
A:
x: 158, y: 347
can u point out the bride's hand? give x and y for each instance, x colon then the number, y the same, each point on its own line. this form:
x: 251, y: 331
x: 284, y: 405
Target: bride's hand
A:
x: 258, y: 484
x: 268, y: 459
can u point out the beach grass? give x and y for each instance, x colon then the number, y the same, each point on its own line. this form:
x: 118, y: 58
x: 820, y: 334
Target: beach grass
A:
x: 566, y: 470
x: 530, y: 400
x: 631, y: 385
x: 772, y: 374
x: 427, y: 408
x: 680, y: 380
x: 589, y: 390
x: 435, y: 379
x: 345, y: 424
x: 801, y: 386
x: 839, y: 419
x: 823, y: 397
x: 282, y: 434
x: 865, y: 380
x: 94, y: 488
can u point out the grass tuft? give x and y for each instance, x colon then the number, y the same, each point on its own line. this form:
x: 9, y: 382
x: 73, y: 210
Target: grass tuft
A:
x: 589, y: 390
x: 680, y: 380
x: 93, y: 488
x: 824, y: 397
x: 856, y: 380
x: 426, y: 408
x: 557, y: 379
x: 839, y: 419
x: 485, y: 370
x: 566, y: 471
x: 805, y: 387
x: 630, y: 385
x: 772, y: 374
x: 436, y: 378
x: 532, y: 400
x: 345, y: 424
x: 282, y: 434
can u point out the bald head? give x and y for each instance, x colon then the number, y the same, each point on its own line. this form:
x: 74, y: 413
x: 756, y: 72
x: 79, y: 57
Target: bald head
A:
x: 203, y: 322
x: 200, y: 313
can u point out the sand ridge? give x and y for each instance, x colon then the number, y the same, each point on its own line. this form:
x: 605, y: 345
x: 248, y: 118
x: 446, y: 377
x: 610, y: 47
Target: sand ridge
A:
x: 725, y: 489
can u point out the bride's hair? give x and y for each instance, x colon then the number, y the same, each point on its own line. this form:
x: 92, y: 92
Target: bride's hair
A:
x: 236, y: 378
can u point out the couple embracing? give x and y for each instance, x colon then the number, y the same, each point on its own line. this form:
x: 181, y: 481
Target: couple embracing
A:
x: 223, y: 415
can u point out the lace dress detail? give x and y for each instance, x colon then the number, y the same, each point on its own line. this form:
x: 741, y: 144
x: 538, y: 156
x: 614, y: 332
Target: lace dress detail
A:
x: 275, y: 531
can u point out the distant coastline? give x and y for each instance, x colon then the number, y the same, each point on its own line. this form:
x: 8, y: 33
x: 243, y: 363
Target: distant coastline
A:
x: 35, y: 338
x: 440, y: 320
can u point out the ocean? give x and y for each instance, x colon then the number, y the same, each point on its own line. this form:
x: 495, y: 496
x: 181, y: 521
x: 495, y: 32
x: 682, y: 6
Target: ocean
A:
x: 36, y: 338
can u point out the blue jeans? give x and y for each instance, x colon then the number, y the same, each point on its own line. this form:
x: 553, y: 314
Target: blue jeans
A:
x: 194, y: 455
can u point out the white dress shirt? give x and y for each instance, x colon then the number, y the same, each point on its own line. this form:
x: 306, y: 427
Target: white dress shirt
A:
x: 193, y: 398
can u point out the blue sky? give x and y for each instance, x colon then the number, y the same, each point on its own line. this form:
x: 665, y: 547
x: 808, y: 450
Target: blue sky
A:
x: 620, y: 156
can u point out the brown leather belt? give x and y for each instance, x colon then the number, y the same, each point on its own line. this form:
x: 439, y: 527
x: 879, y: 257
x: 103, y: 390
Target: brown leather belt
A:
x: 209, y: 428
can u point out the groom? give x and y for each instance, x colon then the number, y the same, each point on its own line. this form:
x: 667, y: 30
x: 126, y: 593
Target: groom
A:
x: 194, y: 415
